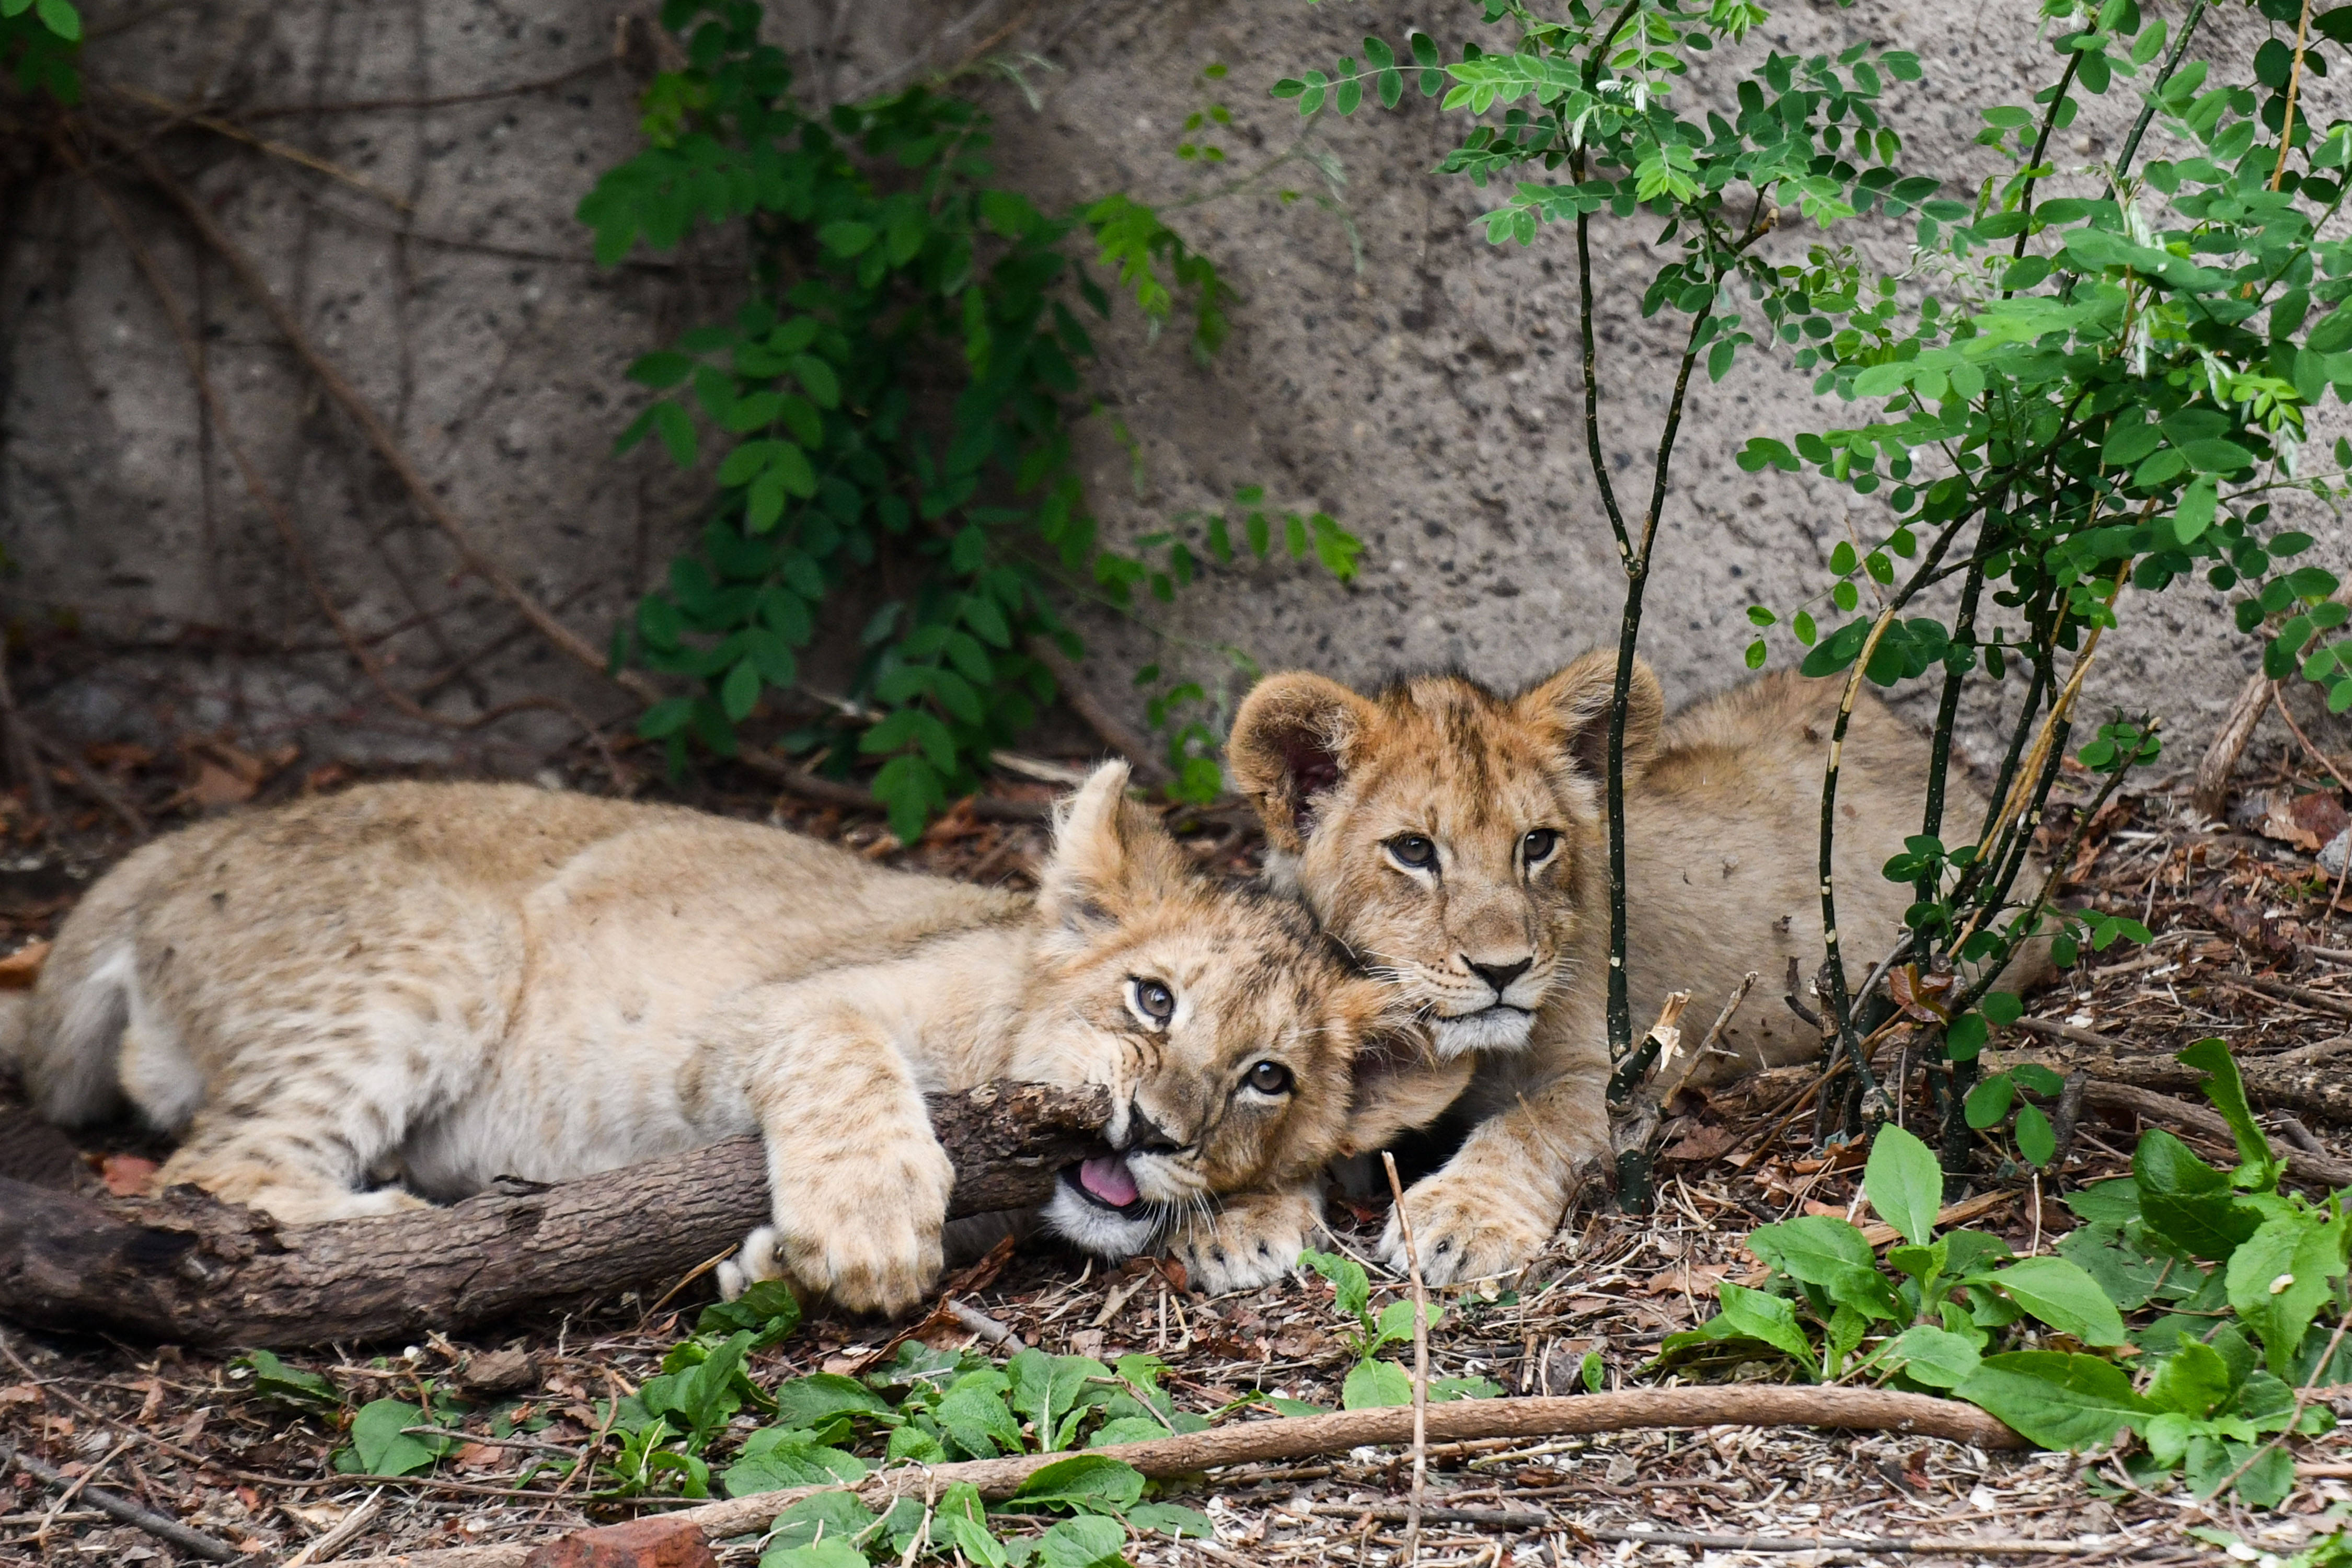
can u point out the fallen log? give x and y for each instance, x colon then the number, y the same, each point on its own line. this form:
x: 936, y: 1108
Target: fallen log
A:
x: 186, y: 1268
x: 1298, y: 1437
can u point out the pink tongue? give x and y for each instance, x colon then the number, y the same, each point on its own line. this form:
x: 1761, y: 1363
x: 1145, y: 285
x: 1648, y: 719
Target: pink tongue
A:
x: 1108, y: 1180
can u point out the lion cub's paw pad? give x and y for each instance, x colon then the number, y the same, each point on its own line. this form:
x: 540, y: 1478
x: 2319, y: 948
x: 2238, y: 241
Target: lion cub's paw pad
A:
x: 1241, y: 1251
x: 1463, y: 1235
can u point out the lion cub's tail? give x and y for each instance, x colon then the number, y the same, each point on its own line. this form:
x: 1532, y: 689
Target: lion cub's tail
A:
x: 64, y: 1037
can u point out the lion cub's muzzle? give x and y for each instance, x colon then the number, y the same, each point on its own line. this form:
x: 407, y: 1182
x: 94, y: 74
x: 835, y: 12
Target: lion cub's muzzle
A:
x: 1117, y: 1205
x: 1492, y: 1008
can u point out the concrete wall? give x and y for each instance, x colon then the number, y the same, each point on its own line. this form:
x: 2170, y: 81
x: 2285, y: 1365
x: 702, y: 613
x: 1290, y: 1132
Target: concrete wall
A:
x: 1386, y: 365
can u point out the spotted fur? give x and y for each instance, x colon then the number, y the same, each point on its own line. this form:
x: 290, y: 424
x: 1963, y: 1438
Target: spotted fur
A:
x: 446, y: 982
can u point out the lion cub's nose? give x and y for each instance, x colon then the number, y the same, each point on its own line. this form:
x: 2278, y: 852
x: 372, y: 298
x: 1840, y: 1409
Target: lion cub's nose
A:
x: 1145, y: 1136
x: 1499, y: 975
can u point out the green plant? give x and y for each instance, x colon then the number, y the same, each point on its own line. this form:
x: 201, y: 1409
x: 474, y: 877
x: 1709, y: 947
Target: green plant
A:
x: 2097, y: 389
x: 40, y: 48
x: 896, y: 404
x: 2108, y: 387
x: 927, y: 1407
x: 1372, y: 1381
x: 2226, y: 1278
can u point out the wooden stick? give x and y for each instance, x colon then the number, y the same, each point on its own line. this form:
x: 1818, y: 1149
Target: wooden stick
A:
x: 195, y: 1543
x: 185, y: 1268
x: 2228, y: 744
x: 1248, y: 1442
x: 1420, y: 1363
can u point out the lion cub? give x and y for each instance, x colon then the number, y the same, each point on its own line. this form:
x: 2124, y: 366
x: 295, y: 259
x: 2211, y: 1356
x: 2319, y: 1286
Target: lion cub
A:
x: 1454, y: 840
x: 460, y: 981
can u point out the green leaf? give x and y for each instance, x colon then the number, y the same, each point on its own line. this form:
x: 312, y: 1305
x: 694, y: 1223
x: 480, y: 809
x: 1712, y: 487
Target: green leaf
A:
x: 1965, y: 1038
x: 740, y: 692
x: 2054, y: 1399
x: 1824, y: 1250
x: 1936, y: 1357
x: 2282, y: 1275
x: 2193, y: 1380
x: 1089, y: 1483
x: 1904, y: 1183
x: 1084, y: 1543
x: 817, y: 379
x: 2227, y: 1091
x: 1758, y: 1316
x: 1351, y: 1289
x: 830, y: 1553
x: 1170, y: 1518
x: 61, y: 18
x: 1990, y: 1100
x: 1374, y: 1384
x: 383, y: 1449
x: 2063, y: 1296
x: 2037, y: 1141
x: 768, y: 1308
x: 822, y: 1397
x: 663, y: 368
x: 2186, y: 1201
x: 2195, y: 514
x: 960, y: 1521
x: 676, y: 429
x: 845, y: 237
x: 288, y: 1386
x: 775, y: 1458
x: 1046, y: 1388
x: 972, y: 1415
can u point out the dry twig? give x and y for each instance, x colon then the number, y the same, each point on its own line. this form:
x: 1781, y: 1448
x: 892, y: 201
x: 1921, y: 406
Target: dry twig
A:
x: 1420, y: 1362
x: 195, y: 1543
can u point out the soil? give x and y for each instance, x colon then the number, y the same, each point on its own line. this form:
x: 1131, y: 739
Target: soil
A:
x: 186, y: 1435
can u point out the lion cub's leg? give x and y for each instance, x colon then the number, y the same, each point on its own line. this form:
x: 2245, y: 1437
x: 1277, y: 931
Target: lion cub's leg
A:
x: 1255, y: 1239
x: 858, y: 1183
x: 287, y: 1167
x: 1498, y: 1201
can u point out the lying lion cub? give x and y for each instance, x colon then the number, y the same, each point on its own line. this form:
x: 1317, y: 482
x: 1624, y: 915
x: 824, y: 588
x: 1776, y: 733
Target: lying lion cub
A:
x: 460, y: 981
x: 1454, y: 841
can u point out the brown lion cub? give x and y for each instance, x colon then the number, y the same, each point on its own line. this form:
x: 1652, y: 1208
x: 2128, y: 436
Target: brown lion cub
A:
x: 1453, y: 839
x: 453, y: 982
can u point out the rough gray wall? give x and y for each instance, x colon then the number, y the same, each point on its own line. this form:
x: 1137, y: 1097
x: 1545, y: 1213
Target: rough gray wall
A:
x: 1425, y: 394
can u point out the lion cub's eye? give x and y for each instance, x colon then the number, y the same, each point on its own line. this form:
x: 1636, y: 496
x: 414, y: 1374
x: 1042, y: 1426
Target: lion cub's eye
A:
x: 1269, y: 1078
x: 1151, y: 1001
x: 1537, y: 847
x: 1413, y: 850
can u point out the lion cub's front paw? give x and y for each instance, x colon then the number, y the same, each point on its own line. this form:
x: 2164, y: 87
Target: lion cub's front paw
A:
x: 1254, y: 1240
x: 866, y: 1236
x: 1465, y: 1229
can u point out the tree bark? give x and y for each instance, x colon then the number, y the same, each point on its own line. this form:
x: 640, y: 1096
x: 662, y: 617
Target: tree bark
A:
x: 186, y: 1268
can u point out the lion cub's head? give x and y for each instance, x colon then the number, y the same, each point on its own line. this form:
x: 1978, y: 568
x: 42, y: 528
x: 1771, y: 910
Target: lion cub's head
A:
x: 1451, y: 839
x: 1240, y: 1050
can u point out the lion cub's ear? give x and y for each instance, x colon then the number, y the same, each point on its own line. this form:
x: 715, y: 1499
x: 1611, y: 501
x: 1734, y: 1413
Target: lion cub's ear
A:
x: 1110, y: 858
x: 1294, y: 737
x: 1574, y: 705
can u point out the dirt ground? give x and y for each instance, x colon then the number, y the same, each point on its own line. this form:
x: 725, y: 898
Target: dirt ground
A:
x: 186, y: 1434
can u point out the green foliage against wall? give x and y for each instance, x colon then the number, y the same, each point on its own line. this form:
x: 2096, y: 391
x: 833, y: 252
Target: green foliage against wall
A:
x: 894, y: 409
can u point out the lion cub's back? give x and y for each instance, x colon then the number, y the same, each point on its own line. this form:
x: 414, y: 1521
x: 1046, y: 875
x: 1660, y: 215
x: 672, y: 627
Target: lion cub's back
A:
x: 1723, y: 845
